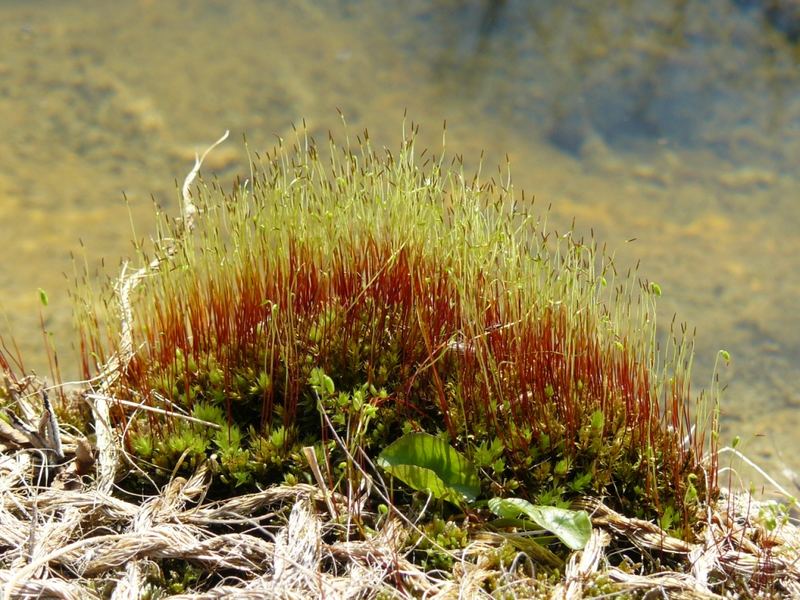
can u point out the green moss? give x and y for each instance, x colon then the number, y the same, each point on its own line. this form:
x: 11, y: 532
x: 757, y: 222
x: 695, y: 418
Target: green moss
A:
x: 362, y: 295
x: 435, y: 542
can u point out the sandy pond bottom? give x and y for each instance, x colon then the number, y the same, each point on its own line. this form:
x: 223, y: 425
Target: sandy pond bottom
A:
x: 101, y: 99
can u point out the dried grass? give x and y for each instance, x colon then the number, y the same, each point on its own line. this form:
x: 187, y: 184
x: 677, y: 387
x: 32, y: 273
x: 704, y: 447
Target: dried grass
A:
x: 89, y: 542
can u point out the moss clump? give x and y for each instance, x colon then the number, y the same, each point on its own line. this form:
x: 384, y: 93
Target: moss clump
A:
x: 435, y: 541
x: 363, y: 294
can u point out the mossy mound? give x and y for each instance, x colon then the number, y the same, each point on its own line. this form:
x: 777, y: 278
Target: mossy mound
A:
x: 431, y: 302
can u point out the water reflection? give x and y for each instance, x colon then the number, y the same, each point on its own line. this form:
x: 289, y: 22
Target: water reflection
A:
x: 694, y: 75
x: 677, y: 122
x: 783, y: 15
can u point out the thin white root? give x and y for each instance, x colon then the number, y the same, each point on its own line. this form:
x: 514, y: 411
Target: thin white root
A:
x: 778, y: 487
x: 110, y: 372
x: 154, y: 409
x: 189, y: 208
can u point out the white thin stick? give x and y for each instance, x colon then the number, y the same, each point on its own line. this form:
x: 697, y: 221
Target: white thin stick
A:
x: 189, y: 208
x: 153, y: 409
x: 759, y: 470
x: 113, y: 368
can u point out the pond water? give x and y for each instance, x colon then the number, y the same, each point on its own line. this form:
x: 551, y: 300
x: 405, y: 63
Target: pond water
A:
x: 673, y: 122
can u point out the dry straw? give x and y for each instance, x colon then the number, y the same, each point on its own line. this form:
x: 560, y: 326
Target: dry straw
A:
x: 83, y: 543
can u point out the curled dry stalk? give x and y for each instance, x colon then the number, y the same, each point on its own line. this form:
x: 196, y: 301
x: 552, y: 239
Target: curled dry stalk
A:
x: 127, y: 282
x: 116, y: 364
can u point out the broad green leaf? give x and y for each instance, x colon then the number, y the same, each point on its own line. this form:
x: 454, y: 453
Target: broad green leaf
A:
x: 572, y: 527
x: 426, y: 462
x: 424, y: 479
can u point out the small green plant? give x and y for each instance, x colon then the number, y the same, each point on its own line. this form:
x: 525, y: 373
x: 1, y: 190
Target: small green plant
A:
x: 572, y: 527
x: 428, y: 463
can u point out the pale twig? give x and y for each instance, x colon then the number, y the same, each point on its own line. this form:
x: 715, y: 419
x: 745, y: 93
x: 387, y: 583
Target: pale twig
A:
x: 779, y: 488
x: 311, y: 459
x: 127, y: 283
x: 189, y: 208
x: 154, y: 409
x: 113, y: 368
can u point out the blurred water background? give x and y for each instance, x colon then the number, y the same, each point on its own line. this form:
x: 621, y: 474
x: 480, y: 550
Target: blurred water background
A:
x: 674, y: 122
